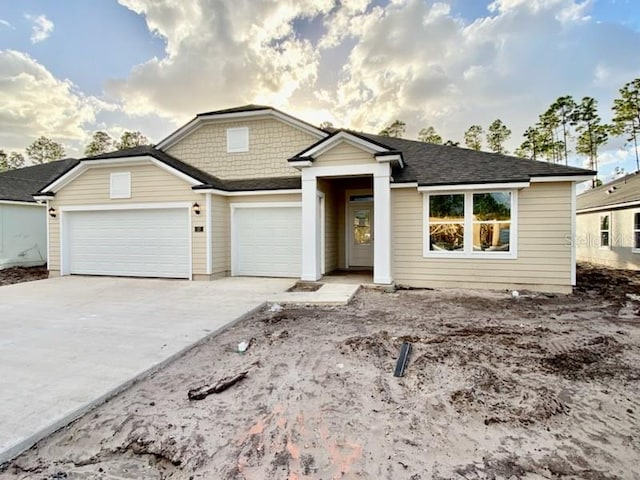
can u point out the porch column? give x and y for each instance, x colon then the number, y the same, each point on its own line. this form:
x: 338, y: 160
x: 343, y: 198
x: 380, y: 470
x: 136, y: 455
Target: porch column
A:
x: 310, y: 244
x: 382, y: 228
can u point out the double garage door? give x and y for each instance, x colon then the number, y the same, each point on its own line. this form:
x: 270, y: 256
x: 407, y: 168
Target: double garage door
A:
x: 149, y: 242
x: 138, y: 243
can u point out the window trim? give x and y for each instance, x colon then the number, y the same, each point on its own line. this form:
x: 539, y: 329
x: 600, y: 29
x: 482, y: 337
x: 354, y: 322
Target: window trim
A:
x: 634, y: 230
x: 600, y: 231
x: 231, y: 131
x: 468, y: 252
x: 116, y: 175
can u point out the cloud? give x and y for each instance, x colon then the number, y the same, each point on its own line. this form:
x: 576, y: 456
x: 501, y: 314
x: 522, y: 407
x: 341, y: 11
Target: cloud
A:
x: 36, y: 103
x: 42, y: 28
x: 417, y: 61
x: 371, y: 61
x: 221, y: 53
x: 6, y: 24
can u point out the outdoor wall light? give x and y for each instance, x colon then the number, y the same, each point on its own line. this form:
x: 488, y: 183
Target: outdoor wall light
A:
x: 196, y: 208
x: 52, y: 212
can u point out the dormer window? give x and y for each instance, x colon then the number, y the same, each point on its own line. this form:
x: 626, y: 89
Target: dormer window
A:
x: 237, y: 139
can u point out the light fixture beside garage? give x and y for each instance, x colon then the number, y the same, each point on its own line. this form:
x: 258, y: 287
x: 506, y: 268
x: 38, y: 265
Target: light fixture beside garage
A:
x: 196, y: 208
x: 52, y: 212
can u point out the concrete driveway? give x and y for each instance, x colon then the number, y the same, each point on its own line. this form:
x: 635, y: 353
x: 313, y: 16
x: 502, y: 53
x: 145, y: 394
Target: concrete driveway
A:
x: 68, y: 343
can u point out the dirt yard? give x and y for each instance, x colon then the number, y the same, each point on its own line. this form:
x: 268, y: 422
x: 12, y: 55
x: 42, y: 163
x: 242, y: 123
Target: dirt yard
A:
x: 539, y: 386
x: 22, y: 274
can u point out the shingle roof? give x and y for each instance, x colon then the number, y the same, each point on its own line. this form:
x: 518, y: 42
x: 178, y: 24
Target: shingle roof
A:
x: 244, y: 108
x: 20, y: 184
x: 165, y: 158
x: 208, y: 181
x: 622, y: 190
x: 432, y: 165
x: 275, y: 183
x: 256, y: 108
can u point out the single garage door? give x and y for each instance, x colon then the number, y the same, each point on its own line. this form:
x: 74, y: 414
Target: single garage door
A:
x: 136, y: 243
x: 267, y: 241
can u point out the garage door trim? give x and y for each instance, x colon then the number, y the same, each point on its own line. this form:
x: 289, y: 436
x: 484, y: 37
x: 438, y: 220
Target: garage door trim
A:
x: 64, y: 242
x: 234, y: 206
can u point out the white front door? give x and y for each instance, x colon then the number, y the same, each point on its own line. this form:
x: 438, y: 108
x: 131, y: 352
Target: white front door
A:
x: 360, y: 225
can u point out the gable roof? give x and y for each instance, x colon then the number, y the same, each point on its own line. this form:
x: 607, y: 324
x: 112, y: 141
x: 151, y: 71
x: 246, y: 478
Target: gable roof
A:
x: 238, y: 113
x: 429, y: 164
x: 202, y: 180
x: 252, y: 107
x: 163, y: 157
x: 382, y: 153
x: 617, y: 193
x: 20, y: 184
x: 136, y: 153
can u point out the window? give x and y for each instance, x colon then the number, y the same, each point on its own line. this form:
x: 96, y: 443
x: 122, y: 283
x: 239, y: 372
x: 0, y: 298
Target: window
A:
x: 470, y: 224
x: 446, y: 222
x: 120, y: 185
x: 361, y: 198
x: 237, y: 139
x: 636, y: 232
x: 605, y: 230
x: 362, y: 227
x: 491, y: 221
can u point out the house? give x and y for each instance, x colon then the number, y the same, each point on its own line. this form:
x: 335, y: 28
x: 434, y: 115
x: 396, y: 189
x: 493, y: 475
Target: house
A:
x: 23, y: 222
x: 608, y: 224
x: 253, y: 191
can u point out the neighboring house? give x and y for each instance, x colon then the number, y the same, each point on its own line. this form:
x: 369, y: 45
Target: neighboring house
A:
x: 608, y: 224
x: 23, y: 222
x: 253, y: 191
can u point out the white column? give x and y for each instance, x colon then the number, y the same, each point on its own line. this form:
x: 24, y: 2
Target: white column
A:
x: 574, y: 238
x: 209, y: 234
x: 382, y: 228
x: 310, y: 257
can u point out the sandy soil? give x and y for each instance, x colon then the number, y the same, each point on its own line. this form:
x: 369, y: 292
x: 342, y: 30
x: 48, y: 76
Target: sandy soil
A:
x: 540, y: 386
x: 22, y: 274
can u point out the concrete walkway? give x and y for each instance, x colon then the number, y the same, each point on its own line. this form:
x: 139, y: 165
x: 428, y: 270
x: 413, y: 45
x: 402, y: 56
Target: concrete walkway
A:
x: 327, y: 294
x: 68, y: 343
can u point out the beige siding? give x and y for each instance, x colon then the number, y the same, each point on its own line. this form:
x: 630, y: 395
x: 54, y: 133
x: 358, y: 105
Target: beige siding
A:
x: 54, y: 243
x: 271, y: 144
x: 621, y: 254
x: 544, y: 251
x: 344, y: 154
x: 220, y: 236
x: 332, y: 201
x: 149, y: 184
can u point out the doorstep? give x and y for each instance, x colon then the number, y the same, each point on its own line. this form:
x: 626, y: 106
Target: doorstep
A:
x: 327, y: 294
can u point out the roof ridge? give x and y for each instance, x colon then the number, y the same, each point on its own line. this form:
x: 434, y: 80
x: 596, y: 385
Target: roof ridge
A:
x: 613, y: 182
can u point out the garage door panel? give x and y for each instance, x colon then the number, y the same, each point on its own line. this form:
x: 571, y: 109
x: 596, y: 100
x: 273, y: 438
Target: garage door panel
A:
x: 142, y: 242
x: 268, y: 241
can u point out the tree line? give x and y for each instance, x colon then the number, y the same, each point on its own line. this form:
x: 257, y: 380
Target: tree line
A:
x: 566, y: 123
x: 44, y: 149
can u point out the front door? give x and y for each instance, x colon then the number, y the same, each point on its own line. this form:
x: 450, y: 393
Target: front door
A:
x: 361, y: 235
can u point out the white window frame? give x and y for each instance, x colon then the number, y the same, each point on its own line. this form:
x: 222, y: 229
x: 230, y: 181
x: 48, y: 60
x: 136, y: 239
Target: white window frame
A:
x: 600, y: 230
x: 119, y: 176
x: 634, y: 230
x: 468, y: 251
x: 237, y: 131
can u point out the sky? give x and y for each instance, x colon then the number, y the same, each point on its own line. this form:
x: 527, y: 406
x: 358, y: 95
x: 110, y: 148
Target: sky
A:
x: 70, y: 68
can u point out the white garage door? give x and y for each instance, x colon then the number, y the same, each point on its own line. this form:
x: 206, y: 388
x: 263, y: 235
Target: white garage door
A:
x: 137, y: 243
x: 267, y: 241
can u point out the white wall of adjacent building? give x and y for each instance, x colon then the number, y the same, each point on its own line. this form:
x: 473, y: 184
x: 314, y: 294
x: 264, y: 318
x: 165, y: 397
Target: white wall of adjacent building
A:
x: 23, y: 235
